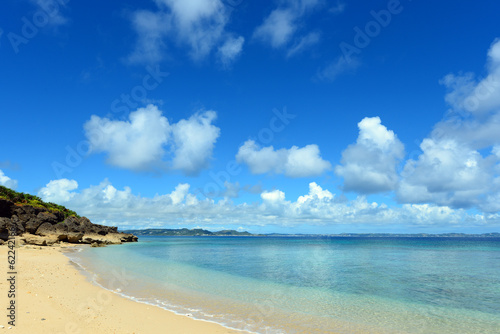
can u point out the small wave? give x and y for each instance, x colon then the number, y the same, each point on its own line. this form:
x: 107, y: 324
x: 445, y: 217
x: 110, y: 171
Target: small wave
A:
x: 193, y: 313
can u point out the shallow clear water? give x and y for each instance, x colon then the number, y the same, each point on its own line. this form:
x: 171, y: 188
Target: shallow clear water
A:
x: 312, y: 285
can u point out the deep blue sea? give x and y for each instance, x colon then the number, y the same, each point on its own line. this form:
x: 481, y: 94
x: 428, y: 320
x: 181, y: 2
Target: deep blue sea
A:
x: 311, y: 284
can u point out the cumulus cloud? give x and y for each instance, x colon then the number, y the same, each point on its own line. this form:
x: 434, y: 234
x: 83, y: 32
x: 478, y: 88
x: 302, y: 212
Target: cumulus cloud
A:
x: 198, y: 24
x: 370, y: 165
x: 140, y: 143
x: 446, y: 173
x: 193, y: 141
x: 136, y: 144
x: 105, y: 204
x: 476, y: 96
x: 429, y: 214
x: 474, y: 117
x: 459, y: 165
x: 279, y: 28
x: 7, y: 181
x: 475, y: 132
x: 273, y: 197
x: 293, y: 162
x: 58, y: 191
x: 179, y: 194
x: 315, y: 193
x: 320, y: 206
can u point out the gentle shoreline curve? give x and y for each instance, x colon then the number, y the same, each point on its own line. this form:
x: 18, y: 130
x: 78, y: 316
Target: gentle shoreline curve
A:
x: 52, y: 296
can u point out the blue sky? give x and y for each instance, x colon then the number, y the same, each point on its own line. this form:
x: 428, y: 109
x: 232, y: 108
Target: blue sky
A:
x: 296, y: 116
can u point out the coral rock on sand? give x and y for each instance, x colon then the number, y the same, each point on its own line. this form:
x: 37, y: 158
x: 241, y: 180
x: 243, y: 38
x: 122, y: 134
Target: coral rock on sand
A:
x: 42, y: 227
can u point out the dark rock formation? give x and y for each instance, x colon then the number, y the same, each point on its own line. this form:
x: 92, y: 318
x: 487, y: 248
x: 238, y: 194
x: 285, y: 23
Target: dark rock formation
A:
x: 4, y: 227
x: 39, y: 226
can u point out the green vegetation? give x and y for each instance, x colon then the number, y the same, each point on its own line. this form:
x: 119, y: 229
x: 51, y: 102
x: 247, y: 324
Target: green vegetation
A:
x: 35, y: 201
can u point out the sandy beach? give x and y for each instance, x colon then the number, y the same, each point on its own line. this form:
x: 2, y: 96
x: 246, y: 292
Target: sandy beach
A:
x: 53, y: 296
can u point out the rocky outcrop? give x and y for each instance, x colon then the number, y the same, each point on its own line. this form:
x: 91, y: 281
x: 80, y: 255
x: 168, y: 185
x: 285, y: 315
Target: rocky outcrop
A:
x: 41, y: 227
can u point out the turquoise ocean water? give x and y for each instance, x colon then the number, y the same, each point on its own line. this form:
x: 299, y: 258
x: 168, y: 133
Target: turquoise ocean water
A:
x: 311, y: 284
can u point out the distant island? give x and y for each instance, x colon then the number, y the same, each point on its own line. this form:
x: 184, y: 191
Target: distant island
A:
x: 187, y: 232
x: 198, y: 232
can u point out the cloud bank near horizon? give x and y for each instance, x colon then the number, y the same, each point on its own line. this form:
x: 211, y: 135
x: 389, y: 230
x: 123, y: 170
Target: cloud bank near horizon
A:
x: 103, y: 203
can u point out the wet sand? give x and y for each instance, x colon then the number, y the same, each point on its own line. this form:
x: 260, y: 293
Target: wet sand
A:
x: 53, y: 296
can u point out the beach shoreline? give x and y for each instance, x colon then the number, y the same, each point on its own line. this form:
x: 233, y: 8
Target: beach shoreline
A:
x: 53, y: 296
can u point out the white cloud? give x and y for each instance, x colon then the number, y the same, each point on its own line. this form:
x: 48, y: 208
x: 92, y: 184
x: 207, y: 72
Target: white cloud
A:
x: 293, y: 162
x: 140, y: 143
x: 273, y: 204
x: 230, y: 50
x: 469, y: 129
x: 282, y: 23
x: 137, y: 144
x: 336, y: 68
x: 58, y: 191
x: 369, y: 165
x: 7, y: 181
x: 198, y: 24
x: 305, y: 161
x: 474, y: 96
x: 459, y: 165
x: 194, y: 141
x: 315, y: 193
x: 273, y: 197
x: 261, y: 160
x: 320, y: 207
x: 427, y: 214
x: 475, y: 132
x: 180, y: 193
x: 446, y: 173
x: 104, y: 204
